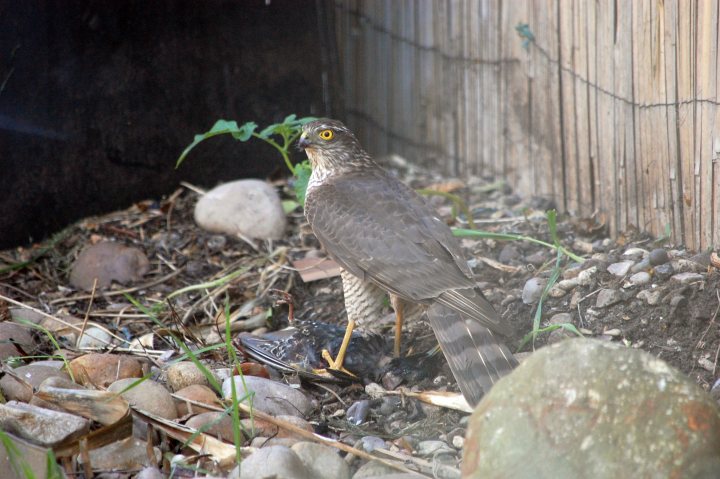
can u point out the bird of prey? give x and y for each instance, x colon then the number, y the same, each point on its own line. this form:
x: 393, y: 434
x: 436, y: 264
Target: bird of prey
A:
x: 383, y: 234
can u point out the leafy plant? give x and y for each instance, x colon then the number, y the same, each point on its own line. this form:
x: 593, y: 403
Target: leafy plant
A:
x: 280, y: 136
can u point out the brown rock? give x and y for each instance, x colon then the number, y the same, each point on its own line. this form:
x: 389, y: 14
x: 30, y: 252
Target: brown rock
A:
x: 12, y: 334
x: 101, y: 370
x: 147, y: 395
x: 199, y: 393
x: 108, y: 262
x: 31, y: 375
x: 216, y: 424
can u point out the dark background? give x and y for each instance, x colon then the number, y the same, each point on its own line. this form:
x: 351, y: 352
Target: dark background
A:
x: 98, y: 99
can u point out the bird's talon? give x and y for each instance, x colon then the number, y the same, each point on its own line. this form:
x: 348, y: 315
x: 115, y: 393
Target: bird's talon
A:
x: 334, y: 364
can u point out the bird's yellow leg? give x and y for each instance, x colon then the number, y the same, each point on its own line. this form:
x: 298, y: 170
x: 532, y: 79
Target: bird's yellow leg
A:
x: 338, y: 361
x: 398, y: 306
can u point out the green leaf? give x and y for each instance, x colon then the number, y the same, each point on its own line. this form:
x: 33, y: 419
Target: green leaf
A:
x: 221, y: 127
x: 303, y: 171
x: 289, y: 206
x: 245, y: 132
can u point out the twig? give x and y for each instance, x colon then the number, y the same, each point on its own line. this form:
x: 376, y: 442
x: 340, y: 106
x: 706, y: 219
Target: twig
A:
x: 87, y: 313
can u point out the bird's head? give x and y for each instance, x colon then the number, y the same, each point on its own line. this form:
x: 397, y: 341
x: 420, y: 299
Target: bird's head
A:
x: 331, y: 145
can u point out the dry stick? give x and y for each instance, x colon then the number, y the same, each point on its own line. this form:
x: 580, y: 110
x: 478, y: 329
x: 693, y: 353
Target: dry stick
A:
x: 304, y: 433
x: 87, y: 313
x: 61, y: 321
x: 120, y: 291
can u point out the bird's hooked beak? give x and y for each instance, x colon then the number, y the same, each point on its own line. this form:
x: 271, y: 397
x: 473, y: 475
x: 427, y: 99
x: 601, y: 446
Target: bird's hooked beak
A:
x: 304, y: 141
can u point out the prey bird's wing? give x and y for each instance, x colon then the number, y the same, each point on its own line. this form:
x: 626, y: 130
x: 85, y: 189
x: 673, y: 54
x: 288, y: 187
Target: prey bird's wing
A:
x: 381, y: 230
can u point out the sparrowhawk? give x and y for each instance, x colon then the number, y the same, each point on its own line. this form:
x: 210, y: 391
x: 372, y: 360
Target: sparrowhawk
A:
x: 381, y: 231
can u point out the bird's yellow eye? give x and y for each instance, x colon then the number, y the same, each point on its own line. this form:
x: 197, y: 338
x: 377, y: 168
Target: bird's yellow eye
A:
x: 327, y: 134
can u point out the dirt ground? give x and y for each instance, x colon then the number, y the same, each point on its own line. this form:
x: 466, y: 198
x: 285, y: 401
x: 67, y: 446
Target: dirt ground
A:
x: 681, y: 328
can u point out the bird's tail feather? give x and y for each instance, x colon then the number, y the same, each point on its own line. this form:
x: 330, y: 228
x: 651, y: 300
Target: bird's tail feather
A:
x: 477, y: 359
x: 470, y: 301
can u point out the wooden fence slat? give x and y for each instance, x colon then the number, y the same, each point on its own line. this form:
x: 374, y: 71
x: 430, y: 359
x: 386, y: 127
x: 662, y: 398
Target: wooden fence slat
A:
x: 607, y: 107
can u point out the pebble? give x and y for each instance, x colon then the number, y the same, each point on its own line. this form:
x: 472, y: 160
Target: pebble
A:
x: 279, y: 462
x: 687, y: 278
x: 41, y: 426
x: 587, y: 276
x: 614, y: 409
x: 508, y: 254
x: 567, y: 284
x: 216, y: 243
x: 370, y: 443
x: 682, y: 265
x: 638, y: 279
x: 33, y: 375
x: 537, y: 258
x: 147, y: 395
x: 270, y: 396
x: 620, y: 269
x: 374, y: 390
x: 390, y: 404
x: 374, y: 469
x: 560, y: 333
x: 649, y: 296
x: 94, y: 337
x: 533, y: 289
x: 150, y: 473
x: 127, y: 454
x: 101, y: 370
x: 663, y: 271
x: 458, y: 442
x: 607, y: 297
x: 643, y: 265
x: 11, y: 334
x: 322, y: 462
x: 183, y: 374
x: 658, y: 256
x: 108, y: 262
x: 358, y: 411
x: 582, y: 246
x: 635, y: 253
x: 433, y: 447
x: 248, y: 207
x: 198, y: 393
x: 217, y: 424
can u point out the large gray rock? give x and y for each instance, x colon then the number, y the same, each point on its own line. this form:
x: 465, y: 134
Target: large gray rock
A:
x: 322, y: 462
x: 269, y: 396
x: 586, y: 408
x: 108, y: 262
x: 146, y: 395
x: 274, y: 462
x: 41, y: 426
x: 249, y: 207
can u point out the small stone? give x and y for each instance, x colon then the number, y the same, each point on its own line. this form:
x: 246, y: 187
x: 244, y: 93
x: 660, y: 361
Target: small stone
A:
x: 635, y: 253
x: 706, y: 364
x: 370, y: 443
x: 687, y: 278
x: 567, y: 284
x: 147, y: 395
x: 198, y: 393
x: 433, y: 447
x: 358, y: 411
x: 94, y: 337
x: 127, y: 454
x: 638, y: 279
x: 649, y: 296
x: 587, y: 276
x: 41, y: 426
x: 270, y: 396
x: 508, y: 254
x: 658, y: 256
x: 12, y: 334
x: 621, y: 268
x: 663, y: 271
x: 607, y: 297
x: 217, y: 424
x: 612, y: 332
x: 458, y: 442
x: 374, y: 470
x: 108, y: 262
x: 33, y: 375
x: 101, y: 370
x: 557, y: 292
x: 582, y: 246
x: 322, y: 462
x: 682, y: 265
x: 216, y: 243
x: 643, y: 265
x: 374, y: 390
x: 537, y: 258
x: 391, y: 404
x: 533, y: 289
x: 183, y: 374
x: 274, y: 461
x: 248, y: 207
x: 150, y: 473
x: 560, y: 333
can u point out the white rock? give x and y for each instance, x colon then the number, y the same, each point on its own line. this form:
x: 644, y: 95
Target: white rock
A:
x: 147, y: 395
x: 277, y: 462
x: 621, y: 268
x: 249, y: 207
x: 95, y: 338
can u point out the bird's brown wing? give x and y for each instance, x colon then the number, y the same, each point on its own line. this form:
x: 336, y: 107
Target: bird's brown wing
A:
x: 380, y: 230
